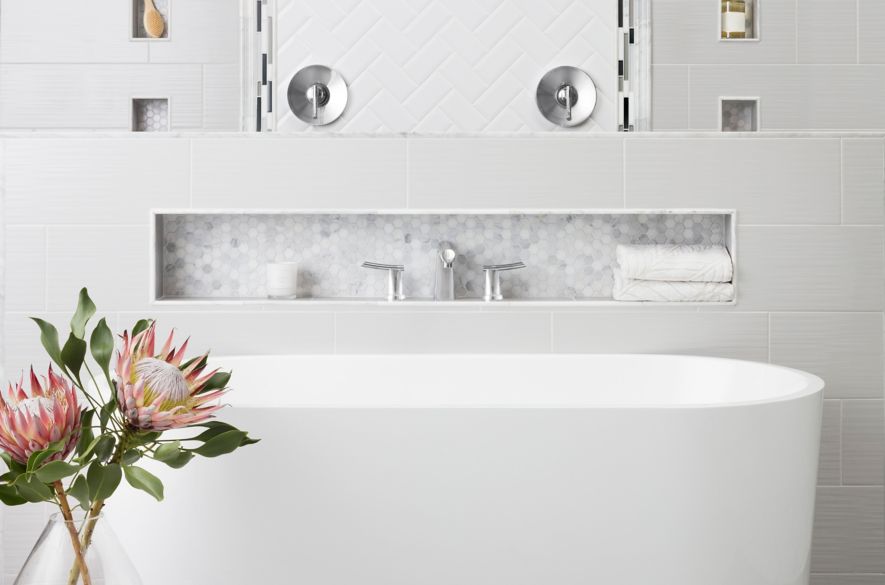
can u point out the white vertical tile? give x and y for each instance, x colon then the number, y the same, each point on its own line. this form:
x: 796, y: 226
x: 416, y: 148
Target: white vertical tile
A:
x: 863, y: 443
x: 769, y: 181
x: 94, y: 180
x: 112, y: 262
x: 871, y: 20
x: 221, y: 97
x: 827, y: 31
x: 308, y: 172
x: 201, y: 31
x: 733, y: 335
x: 822, y: 268
x: 515, y: 173
x: 440, y: 332
x: 845, y: 349
x: 863, y: 180
x: 25, y: 270
x: 670, y: 102
x: 849, y: 530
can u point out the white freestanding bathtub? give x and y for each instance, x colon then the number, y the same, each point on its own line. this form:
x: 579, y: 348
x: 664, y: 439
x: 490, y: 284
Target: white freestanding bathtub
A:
x: 494, y: 470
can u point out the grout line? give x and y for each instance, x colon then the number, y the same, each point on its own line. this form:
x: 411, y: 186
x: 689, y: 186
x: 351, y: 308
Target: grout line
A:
x: 857, y: 29
x: 796, y: 32
x: 841, y: 444
x: 842, y: 181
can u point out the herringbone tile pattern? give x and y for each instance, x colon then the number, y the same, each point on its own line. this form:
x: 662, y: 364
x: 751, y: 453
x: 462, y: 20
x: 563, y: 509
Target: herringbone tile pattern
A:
x: 447, y: 66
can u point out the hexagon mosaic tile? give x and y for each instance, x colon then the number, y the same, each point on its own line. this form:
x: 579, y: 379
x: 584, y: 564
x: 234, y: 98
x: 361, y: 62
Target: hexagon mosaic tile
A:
x: 567, y: 256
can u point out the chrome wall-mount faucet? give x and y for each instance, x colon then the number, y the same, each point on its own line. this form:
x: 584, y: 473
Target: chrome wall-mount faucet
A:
x: 492, y: 273
x: 444, y: 274
x: 394, y: 279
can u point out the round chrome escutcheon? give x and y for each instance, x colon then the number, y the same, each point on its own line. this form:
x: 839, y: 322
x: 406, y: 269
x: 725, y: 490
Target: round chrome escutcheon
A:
x: 317, y: 95
x: 566, y: 96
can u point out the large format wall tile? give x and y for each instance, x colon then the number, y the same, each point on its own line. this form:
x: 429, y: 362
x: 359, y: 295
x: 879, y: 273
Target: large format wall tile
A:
x: 515, y: 173
x: 221, y: 97
x: 827, y: 31
x: 863, y: 446
x: 94, y: 181
x: 670, y: 102
x: 308, y: 173
x: 25, y: 270
x: 829, y: 470
x: 863, y: 180
x: 793, y: 97
x: 845, y: 349
x: 871, y: 22
x: 201, y: 31
x: 687, y: 31
x: 825, y: 268
x: 733, y: 335
x: 34, y: 32
x: 112, y: 262
x: 847, y: 579
x: 96, y: 97
x: 849, y: 530
x: 401, y: 332
x: 776, y: 181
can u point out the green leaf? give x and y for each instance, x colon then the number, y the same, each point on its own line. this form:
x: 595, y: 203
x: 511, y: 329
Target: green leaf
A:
x: 38, y: 457
x: 104, y: 448
x: 131, y: 456
x: 33, y: 490
x: 85, y: 311
x: 142, y: 479
x: 80, y: 492
x: 144, y: 438
x: 9, y: 477
x: 218, y: 380
x: 140, y: 326
x: 10, y: 496
x: 56, y: 470
x: 11, y: 464
x: 167, y: 451
x: 86, y: 433
x: 104, y: 415
x: 73, y: 354
x: 214, y: 428
x: 222, y: 444
x: 180, y: 460
x: 101, y: 344
x: 49, y: 339
x: 103, y: 480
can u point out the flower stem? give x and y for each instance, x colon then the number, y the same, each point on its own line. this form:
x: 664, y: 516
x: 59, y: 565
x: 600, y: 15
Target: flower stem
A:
x: 72, y: 531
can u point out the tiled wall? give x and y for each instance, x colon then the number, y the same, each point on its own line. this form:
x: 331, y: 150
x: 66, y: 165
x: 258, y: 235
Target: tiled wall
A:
x: 63, y: 66
x: 819, y: 64
x: 810, y: 235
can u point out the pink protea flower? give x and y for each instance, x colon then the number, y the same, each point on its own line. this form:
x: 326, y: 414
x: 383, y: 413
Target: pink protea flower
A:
x: 155, y: 392
x: 30, y: 423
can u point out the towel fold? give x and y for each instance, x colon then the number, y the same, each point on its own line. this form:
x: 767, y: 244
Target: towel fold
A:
x: 628, y: 289
x: 683, y: 263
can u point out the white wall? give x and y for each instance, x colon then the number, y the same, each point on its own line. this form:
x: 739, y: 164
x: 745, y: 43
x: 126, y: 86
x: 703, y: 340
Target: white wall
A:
x: 810, y: 237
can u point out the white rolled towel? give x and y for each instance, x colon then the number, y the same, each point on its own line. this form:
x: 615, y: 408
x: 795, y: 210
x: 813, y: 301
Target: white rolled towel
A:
x: 682, y: 263
x: 628, y: 289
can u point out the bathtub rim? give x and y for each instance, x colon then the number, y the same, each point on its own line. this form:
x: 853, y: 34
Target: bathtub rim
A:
x: 813, y: 384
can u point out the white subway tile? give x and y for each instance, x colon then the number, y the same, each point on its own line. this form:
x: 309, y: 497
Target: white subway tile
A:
x: 670, y: 103
x: 687, y: 31
x: 201, y: 31
x: 863, y: 181
x: 871, y: 20
x: 312, y: 172
x: 221, y: 97
x: 535, y: 172
x: 63, y: 32
x: 829, y: 470
x: 863, y: 443
x: 793, y: 97
x: 845, y: 349
x: 438, y: 332
x: 849, y: 530
x: 94, y: 181
x: 733, y: 335
x: 112, y: 262
x: 769, y: 181
x: 827, y: 31
x: 228, y: 333
x: 821, y: 268
x: 96, y: 96
x: 25, y: 271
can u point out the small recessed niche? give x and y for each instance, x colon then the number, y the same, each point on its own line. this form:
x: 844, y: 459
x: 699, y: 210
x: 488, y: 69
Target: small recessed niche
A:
x: 739, y: 114
x: 738, y: 20
x: 150, y: 115
x: 138, y: 9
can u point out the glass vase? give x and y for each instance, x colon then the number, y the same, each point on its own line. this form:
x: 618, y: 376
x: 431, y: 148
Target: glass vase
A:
x: 52, y: 559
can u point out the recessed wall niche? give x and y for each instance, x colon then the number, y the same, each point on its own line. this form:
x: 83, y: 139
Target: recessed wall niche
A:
x: 138, y: 31
x: 150, y: 115
x: 739, y: 114
x: 738, y: 20
x: 568, y: 256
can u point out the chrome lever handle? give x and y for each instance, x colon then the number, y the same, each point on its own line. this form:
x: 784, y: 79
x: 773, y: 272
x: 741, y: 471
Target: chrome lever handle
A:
x: 394, y: 278
x: 568, y: 103
x: 492, y: 273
